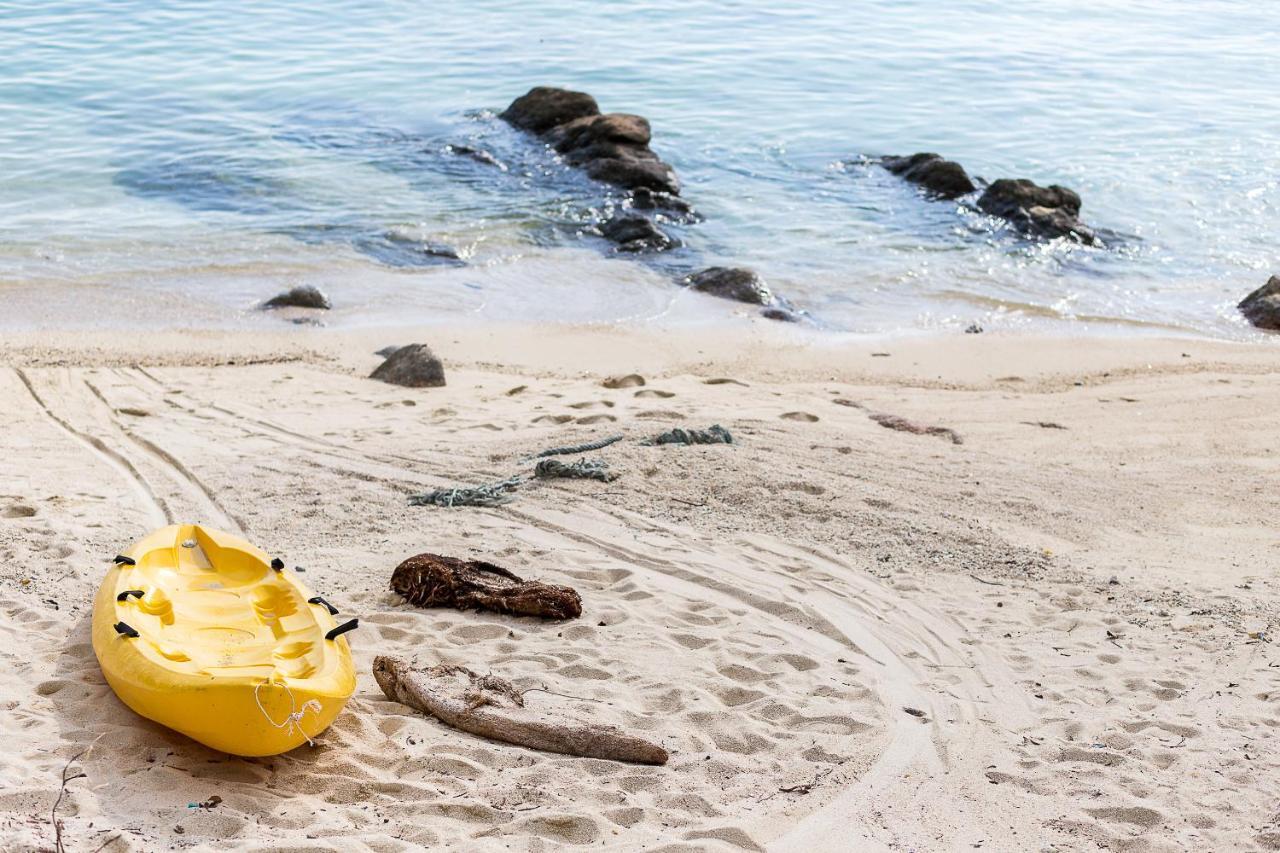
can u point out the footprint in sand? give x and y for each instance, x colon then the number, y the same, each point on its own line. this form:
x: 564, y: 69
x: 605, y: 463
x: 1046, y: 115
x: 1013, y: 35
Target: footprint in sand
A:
x: 552, y: 419
x: 661, y: 414
x: 631, y: 380
x: 596, y: 419
x: 592, y: 404
x: 799, y: 416
x: 724, y: 381
x: 654, y: 392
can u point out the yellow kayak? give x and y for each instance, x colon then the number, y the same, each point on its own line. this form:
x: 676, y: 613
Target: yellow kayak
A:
x: 202, y: 632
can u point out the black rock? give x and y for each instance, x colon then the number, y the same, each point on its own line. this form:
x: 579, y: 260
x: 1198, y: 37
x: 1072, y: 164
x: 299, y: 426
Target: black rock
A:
x: 1037, y: 211
x: 647, y: 199
x: 635, y: 232
x: 942, y: 178
x: 544, y: 107
x: 613, y: 148
x: 634, y: 171
x: 304, y: 296
x: 414, y: 366
x: 781, y: 314
x: 619, y: 128
x: 1262, y: 307
x: 737, y: 283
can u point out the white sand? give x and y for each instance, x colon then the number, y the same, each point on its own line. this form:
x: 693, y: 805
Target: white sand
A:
x: 1074, y: 611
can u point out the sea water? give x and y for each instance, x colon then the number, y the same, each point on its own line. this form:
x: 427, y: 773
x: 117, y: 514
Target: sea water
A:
x: 178, y: 162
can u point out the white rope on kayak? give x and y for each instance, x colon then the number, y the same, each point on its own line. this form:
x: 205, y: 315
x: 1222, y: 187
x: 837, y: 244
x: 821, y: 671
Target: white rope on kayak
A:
x: 295, y: 715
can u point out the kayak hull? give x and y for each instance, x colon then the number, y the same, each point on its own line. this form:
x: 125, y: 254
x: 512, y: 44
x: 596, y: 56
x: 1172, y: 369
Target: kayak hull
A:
x: 195, y: 629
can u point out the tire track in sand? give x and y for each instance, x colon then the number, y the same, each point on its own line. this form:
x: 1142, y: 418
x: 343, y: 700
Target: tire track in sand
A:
x: 153, y: 506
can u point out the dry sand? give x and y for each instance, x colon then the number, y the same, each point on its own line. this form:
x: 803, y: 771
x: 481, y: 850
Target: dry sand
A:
x: 1076, y: 602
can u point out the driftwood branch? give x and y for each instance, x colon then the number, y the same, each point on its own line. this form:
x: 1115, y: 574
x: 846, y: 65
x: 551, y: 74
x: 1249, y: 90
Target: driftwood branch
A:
x: 906, y: 425
x: 430, y: 580
x: 490, y: 707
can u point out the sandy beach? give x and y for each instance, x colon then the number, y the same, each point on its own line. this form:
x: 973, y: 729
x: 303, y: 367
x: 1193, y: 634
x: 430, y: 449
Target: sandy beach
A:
x: 1052, y: 634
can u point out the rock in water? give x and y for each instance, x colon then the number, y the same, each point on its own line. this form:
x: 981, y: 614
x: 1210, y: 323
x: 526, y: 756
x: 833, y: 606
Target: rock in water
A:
x: 737, y: 283
x: 1262, y: 307
x: 943, y: 178
x: 613, y: 148
x: 430, y: 580
x: 635, y: 232
x: 414, y: 366
x: 1037, y: 211
x: 304, y: 296
x: 544, y: 107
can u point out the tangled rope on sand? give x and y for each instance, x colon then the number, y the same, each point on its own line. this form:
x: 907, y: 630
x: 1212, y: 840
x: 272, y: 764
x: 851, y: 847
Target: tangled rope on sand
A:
x: 489, y: 495
x: 578, y: 448
x: 582, y: 469
x: 716, y: 434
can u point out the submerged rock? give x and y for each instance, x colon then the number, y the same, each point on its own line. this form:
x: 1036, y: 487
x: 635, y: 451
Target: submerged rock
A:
x: 943, y: 178
x: 1037, y: 211
x: 737, y: 283
x: 783, y: 315
x: 635, y: 232
x: 304, y: 296
x: 647, y: 199
x: 477, y: 154
x: 1262, y: 307
x: 414, y: 366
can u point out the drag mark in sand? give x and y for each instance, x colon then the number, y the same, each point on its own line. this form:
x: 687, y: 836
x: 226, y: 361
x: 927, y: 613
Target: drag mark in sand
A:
x: 153, y: 505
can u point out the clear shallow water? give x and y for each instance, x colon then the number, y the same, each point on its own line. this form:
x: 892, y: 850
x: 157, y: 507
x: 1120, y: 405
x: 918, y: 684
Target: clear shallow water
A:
x: 204, y: 154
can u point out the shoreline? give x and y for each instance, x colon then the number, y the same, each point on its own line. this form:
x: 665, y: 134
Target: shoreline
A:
x: 1075, y: 602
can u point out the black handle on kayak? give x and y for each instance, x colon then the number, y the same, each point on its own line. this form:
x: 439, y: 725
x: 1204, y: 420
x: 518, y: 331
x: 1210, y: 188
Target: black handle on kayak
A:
x: 277, y: 564
x: 122, y: 628
x: 121, y: 560
x: 136, y: 593
x: 315, y: 599
x: 342, y: 629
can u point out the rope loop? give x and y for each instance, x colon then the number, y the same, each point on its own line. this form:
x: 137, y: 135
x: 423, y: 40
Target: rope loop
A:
x: 295, y: 714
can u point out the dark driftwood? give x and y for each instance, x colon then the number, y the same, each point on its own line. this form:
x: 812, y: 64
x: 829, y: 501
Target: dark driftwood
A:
x: 904, y: 425
x: 430, y: 580
x: 490, y: 707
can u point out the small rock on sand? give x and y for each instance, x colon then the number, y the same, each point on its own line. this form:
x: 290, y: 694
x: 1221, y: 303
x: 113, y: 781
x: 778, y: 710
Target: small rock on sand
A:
x: 304, y: 296
x: 631, y: 380
x: 414, y: 366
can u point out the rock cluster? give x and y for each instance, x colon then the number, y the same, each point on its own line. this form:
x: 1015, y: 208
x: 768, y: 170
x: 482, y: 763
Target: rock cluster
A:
x: 1262, y: 307
x: 1035, y: 211
x: 613, y: 147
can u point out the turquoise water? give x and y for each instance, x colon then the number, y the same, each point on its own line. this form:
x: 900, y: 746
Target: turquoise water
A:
x: 204, y: 154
